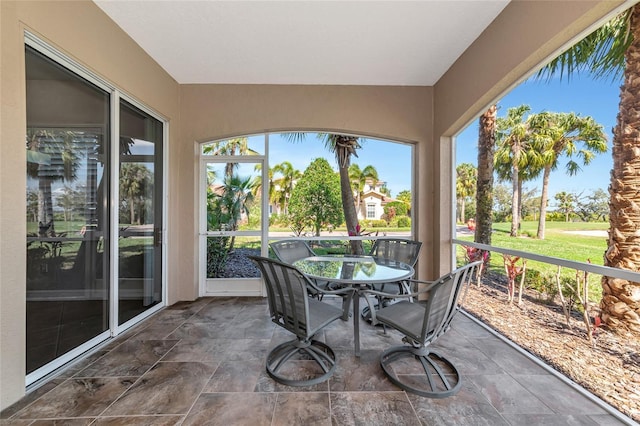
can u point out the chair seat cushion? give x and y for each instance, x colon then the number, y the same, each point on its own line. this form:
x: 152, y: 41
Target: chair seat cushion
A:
x: 406, y: 317
x: 321, y: 314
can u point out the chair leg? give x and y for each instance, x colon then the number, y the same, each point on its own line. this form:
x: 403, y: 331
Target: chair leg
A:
x: 317, y: 351
x: 430, y: 374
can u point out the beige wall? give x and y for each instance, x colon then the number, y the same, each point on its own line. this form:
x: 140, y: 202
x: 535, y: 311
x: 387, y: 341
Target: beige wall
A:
x: 526, y: 33
x: 80, y: 30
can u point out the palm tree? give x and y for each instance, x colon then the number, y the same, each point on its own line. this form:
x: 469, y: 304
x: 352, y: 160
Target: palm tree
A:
x: 614, y: 49
x: 136, y: 180
x: 256, y: 182
x: 559, y: 135
x: 286, y: 182
x: 359, y: 179
x: 234, y: 200
x: 52, y: 155
x: 566, y: 203
x: 343, y: 146
x: 231, y: 147
x: 484, y: 183
x: 514, y: 156
x: 466, y: 179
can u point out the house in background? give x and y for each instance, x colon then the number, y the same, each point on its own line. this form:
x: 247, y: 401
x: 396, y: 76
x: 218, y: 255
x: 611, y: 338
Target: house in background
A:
x: 372, y: 201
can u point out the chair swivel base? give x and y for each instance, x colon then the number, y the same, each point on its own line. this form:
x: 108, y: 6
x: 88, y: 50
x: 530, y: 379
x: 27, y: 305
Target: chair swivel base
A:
x: 437, y: 377
x: 313, y: 350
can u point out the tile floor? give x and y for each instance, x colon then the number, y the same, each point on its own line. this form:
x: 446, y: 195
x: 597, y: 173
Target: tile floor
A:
x: 202, y: 363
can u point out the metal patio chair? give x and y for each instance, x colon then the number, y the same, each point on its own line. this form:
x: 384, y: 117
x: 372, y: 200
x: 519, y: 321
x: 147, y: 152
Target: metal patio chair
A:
x: 398, y: 249
x: 288, y: 251
x: 303, y: 316
x: 423, y: 317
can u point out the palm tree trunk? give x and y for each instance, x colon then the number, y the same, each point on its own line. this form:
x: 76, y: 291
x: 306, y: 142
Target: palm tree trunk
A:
x: 132, y: 211
x: 520, y: 191
x: 349, y: 206
x: 462, y: 206
x: 542, y: 223
x: 515, y: 210
x: 45, y: 207
x: 484, y: 184
x: 620, y: 303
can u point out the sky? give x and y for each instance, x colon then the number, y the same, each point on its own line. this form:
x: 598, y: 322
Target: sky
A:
x: 582, y: 95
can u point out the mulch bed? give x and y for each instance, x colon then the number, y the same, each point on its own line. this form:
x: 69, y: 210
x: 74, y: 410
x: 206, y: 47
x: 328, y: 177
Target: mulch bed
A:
x: 610, y: 368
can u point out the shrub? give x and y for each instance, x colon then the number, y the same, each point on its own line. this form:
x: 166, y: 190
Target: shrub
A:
x: 399, y: 208
x: 278, y: 219
x: 544, y: 285
x: 217, y: 254
x: 380, y: 223
x: 404, y: 222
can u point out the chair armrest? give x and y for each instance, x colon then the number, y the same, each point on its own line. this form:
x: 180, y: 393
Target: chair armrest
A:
x: 340, y: 291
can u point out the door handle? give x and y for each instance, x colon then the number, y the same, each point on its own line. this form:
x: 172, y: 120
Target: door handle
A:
x: 157, y: 237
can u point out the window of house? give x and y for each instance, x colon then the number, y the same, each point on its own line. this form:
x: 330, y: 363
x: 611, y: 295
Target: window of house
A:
x: 371, y: 211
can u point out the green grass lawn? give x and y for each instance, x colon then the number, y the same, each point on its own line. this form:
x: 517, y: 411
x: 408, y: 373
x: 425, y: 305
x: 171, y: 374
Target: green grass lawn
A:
x: 557, y: 243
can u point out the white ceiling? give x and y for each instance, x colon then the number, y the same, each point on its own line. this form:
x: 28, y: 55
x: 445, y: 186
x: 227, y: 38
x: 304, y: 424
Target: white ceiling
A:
x: 304, y: 42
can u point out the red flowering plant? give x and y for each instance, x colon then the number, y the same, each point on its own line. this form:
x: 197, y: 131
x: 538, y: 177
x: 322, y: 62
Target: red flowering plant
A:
x: 473, y: 254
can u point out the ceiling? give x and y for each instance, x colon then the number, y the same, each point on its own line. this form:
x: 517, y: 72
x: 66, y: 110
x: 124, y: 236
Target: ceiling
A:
x: 398, y: 43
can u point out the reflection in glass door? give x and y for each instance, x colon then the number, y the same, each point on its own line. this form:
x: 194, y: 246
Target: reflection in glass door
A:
x: 67, y: 216
x: 139, y: 212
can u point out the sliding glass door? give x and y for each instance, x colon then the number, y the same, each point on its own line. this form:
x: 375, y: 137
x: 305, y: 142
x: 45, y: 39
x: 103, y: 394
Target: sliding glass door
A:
x: 80, y: 240
x: 139, y: 212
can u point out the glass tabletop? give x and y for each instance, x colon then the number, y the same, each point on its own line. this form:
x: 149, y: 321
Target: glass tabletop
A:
x: 354, y: 269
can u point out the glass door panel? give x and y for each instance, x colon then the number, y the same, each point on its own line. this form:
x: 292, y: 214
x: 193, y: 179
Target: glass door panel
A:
x: 139, y: 213
x: 67, y: 240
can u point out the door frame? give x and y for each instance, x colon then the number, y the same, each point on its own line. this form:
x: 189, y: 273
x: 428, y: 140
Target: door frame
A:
x: 114, y: 212
x: 252, y: 286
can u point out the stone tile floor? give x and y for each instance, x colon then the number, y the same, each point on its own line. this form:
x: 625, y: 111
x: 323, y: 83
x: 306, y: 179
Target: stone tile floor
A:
x: 202, y: 363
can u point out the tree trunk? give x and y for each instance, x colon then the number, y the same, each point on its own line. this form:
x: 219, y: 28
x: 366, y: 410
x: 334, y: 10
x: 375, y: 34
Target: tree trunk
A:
x: 484, y: 184
x: 542, y: 223
x: 349, y: 206
x: 462, y: 206
x: 132, y: 211
x: 515, y: 209
x: 620, y: 303
x: 520, y: 191
x: 45, y: 207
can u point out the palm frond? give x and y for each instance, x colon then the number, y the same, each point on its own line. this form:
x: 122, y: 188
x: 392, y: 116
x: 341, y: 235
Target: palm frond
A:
x: 601, y: 53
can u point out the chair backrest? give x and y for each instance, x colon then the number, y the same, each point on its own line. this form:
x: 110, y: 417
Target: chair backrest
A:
x: 398, y: 249
x: 443, y: 301
x: 288, y: 251
x: 287, y: 295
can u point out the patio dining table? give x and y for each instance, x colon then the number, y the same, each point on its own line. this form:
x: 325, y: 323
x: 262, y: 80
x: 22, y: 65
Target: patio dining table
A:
x: 358, y: 272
